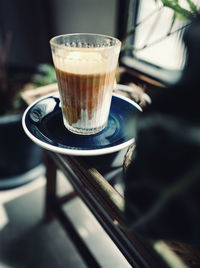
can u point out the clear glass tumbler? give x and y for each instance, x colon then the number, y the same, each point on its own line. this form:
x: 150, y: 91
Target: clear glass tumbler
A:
x: 85, y: 66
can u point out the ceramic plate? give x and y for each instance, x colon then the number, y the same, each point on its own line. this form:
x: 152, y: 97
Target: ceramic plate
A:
x: 42, y: 122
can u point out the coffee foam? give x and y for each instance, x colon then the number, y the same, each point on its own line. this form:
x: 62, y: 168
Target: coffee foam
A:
x: 83, y: 62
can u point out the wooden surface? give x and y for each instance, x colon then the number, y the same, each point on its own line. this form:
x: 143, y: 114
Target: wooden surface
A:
x: 31, y: 95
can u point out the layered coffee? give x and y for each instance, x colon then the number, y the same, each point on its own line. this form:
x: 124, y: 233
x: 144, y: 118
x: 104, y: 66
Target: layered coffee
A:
x: 85, y: 81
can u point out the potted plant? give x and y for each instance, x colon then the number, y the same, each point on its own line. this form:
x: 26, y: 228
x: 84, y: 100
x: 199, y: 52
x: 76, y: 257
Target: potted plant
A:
x: 20, y: 158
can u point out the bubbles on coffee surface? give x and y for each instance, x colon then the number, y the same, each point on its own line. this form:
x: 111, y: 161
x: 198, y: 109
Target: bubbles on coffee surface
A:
x: 99, y: 44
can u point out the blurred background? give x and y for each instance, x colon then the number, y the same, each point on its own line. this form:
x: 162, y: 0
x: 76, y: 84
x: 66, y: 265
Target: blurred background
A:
x: 25, y: 62
x: 33, y: 23
x: 25, y: 240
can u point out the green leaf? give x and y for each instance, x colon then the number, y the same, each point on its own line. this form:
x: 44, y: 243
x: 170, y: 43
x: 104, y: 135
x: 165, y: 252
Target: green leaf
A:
x: 184, y: 14
x: 47, y: 76
x: 172, y: 23
x: 170, y: 3
x: 192, y: 6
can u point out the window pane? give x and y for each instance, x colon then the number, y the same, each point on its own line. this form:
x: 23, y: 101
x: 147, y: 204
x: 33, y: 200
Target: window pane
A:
x: 166, y: 52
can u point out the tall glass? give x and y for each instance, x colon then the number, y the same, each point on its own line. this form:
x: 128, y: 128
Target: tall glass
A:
x: 85, y: 67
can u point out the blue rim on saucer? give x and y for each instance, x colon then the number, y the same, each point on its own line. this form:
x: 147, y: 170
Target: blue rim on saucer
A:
x: 42, y: 121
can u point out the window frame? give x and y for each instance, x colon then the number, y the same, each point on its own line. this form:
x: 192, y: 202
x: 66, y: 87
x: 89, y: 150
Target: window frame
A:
x: 142, y: 68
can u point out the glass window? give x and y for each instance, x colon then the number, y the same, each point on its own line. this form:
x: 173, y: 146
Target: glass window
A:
x: 158, y: 48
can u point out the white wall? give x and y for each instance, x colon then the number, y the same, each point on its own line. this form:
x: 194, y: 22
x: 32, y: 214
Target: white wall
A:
x: 94, y: 16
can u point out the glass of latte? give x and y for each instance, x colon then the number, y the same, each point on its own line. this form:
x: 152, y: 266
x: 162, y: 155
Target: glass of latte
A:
x: 85, y: 66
